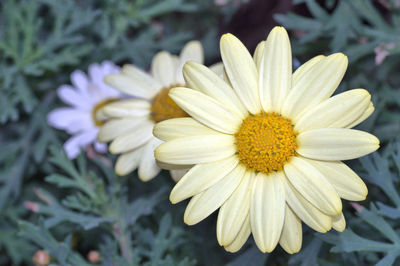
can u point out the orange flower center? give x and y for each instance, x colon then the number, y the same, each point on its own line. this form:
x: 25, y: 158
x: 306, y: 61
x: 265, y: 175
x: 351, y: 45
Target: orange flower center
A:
x: 97, y: 107
x: 265, y: 142
x: 164, y: 107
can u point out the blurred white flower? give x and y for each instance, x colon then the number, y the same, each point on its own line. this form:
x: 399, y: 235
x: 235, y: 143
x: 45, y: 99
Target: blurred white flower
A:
x: 85, y: 97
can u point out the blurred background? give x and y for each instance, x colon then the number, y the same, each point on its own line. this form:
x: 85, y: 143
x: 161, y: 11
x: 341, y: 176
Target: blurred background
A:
x: 62, y: 212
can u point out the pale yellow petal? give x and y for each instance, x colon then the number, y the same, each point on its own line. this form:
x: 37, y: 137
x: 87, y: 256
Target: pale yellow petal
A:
x: 313, y: 186
x: 364, y: 116
x: 275, y: 77
x: 163, y: 68
x: 132, y: 140
x: 199, y: 77
x: 315, y: 86
x: 201, y: 177
x: 168, y: 166
x: 234, y: 211
x: 118, y: 127
x: 241, y: 237
x: 267, y: 210
x: 337, y: 112
x: 304, y: 68
x: 127, y: 108
x: 206, y: 202
x: 141, y: 78
x: 336, y: 144
x: 148, y: 168
x: 193, y: 51
x: 218, y: 69
x: 128, y: 162
x: 258, y: 53
x: 347, y: 183
x: 339, y: 222
x: 181, y: 127
x: 292, y: 234
x: 241, y: 70
x: 306, y: 211
x: 206, y: 110
x: 196, y: 149
x: 130, y: 86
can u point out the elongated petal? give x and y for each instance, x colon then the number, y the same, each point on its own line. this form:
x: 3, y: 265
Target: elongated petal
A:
x: 267, y: 210
x: 304, y: 68
x: 241, y: 237
x: 234, y: 211
x: 132, y: 140
x: 339, y: 222
x: 346, y: 182
x: 141, y: 78
x: 292, y: 234
x: 148, y: 168
x: 199, y: 77
x: 338, y: 111
x: 241, y: 70
x: 364, y: 116
x: 129, y: 85
x: 128, y: 162
x: 181, y: 127
x: 275, y: 78
x: 313, y: 186
x: 127, y: 108
x: 258, y: 53
x: 193, y: 51
x: 206, y: 202
x: 201, y: 177
x: 163, y: 68
x: 118, y: 127
x: 168, y: 166
x: 196, y: 149
x: 177, y: 174
x: 336, y: 144
x: 206, y: 110
x: 315, y: 86
x: 306, y: 211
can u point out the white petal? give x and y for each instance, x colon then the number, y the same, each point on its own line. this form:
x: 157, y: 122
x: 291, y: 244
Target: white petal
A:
x: 339, y: 222
x: 218, y: 69
x: 141, y: 78
x: 267, y: 210
x: 206, y: 110
x: 70, y: 119
x: 346, y: 182
x: 201, y: 177
x: 336, y: 144
x: 292, y: 234
x: 301, y: 70
x: 148, y: 168
x: 199, y: 77
x: 192, y: 51
x: 258, y: 53
x: 206, y: 202
x: 315, y: 86
x: 275, y: 77
x: 196, y: 149
x: 181, y: 127
x: 241, y: 70
x: 337, y: 112
x: 163, y: 68
x: 127, y: 108
x: 364, y: 116
x: 80, y: 81
x: 234, y: 211
x: 72, y: 97
x: 241, y: 237
x: 129, y: 85
x: 132, y: 140
x: 306, y: 211
x: 100, y: 147
x: 128, y: 162
x: 118, y: 127
x: 177, y: 174
x: 74, y: 145
x: 313, y: 186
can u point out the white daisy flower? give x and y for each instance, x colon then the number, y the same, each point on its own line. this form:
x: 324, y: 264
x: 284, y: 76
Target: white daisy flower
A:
x: 87, y: 95
x: 267, y: 147
x: 131, y: 121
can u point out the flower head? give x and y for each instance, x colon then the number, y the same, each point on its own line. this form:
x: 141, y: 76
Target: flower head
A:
x: 130, y: 122
x: 86, y: 97
x: 266, y: 145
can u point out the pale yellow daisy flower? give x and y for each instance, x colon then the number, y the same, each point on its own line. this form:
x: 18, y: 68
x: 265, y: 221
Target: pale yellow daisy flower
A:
x: 267, y: 148
x: 130, y: 121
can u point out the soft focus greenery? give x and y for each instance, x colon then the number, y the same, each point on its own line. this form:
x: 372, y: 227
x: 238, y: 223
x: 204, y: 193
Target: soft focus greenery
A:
x: 69, y: 208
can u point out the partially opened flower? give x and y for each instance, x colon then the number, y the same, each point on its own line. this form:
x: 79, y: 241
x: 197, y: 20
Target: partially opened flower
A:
x: 267, y: 147
x: 87, y: 95
x: 130, y: 121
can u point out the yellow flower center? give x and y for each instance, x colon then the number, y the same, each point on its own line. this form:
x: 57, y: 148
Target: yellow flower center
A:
x: 164, y: 107
x: 265, y: 142
x: 97, y: 107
